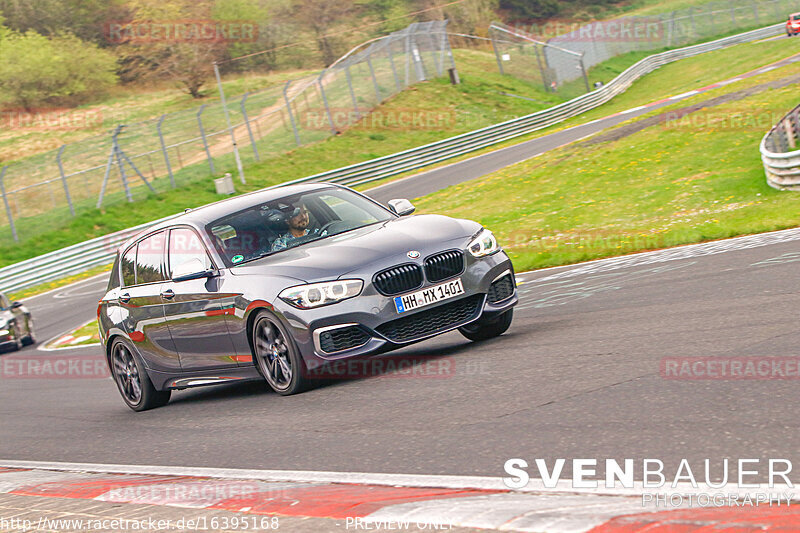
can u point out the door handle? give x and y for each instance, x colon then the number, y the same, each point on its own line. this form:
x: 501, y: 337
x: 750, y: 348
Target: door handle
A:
x: 125, y: 298
x: 168, y: 294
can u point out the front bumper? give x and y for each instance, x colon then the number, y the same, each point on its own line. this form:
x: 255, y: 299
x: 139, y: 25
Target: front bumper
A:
x: 370, y: 321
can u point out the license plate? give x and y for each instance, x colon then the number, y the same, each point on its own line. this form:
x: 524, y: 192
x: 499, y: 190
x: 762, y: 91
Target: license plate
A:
x: 428, y: 296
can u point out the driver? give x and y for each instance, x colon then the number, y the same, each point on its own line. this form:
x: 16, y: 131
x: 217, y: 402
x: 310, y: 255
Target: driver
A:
x: 298, y: 227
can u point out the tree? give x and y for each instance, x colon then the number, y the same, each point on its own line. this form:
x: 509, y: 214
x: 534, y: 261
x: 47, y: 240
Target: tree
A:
x: 83, y: 18
x: 321, y: 16
x: 37, y: 70
x: 172, y: 49
x: 532, y: 9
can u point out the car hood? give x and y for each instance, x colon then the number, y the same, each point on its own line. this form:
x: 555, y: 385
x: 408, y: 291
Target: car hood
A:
x: 387, y: 242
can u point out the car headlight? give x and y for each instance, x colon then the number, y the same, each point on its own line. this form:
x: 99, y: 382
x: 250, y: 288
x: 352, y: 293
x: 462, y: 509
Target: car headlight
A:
x: 318, y: 294
x: 484, y: 244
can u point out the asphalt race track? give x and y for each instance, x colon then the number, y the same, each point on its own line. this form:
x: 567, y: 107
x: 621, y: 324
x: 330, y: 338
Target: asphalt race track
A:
x: 579, y: 374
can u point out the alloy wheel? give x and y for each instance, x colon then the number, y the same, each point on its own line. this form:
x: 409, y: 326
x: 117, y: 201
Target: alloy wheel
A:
x: 126, y: 373
x: 272, y: 353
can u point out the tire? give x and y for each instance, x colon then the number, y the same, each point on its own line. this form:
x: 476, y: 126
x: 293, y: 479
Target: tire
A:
x: 276, y: 356
x: 484, y: 329
x: 18, y: 342
x: 129, y: 374
x: 29, y: 338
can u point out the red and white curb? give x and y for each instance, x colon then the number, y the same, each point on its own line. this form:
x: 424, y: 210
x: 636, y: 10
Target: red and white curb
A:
x: 390, y: 501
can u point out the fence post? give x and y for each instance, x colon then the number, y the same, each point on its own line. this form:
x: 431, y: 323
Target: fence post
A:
x: 349, y: 79
x: 397, y: 83
x: 116, y: 151
x: 755, y: 10
x: 327, y: 107
x: 374, y: 80
x: 230, y: 127
x: 64, y: 179
x: 710, y: 15
x: 497, y: 52
x: 733, y: 13
x: 164, y: 151
x: 8, y: 207
x: 247, y: 123
x: 541, y: 67
x: 583, y: 71
x: 694, y: 26
x: 203, y: 136
x: 671, y: 30
x: 289, y: 112
x: 407, y: 45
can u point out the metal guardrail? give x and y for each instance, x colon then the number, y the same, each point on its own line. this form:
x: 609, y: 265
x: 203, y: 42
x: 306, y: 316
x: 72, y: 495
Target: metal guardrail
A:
x: 780, y: 152
x: 80, y: 257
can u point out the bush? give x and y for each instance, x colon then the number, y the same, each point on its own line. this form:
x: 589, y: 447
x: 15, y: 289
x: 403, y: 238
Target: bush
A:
x: 37, y: 70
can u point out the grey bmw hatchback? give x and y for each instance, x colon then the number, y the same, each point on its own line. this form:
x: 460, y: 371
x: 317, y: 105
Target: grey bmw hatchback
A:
x: 277, y: 284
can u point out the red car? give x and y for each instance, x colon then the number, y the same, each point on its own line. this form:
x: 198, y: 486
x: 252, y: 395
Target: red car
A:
x: 793, y: 24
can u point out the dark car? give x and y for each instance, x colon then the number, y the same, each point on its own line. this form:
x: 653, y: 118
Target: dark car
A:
x: 16, y: 325
x: 278, y: 284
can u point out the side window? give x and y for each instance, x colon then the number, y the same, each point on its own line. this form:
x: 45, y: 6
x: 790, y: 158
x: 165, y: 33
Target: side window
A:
x: 148, y: 259
x: 113, y: 280
x: 185, y: 245
x: 129, y: 267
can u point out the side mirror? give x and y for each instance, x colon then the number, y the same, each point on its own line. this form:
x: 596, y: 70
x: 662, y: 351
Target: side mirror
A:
x: 401, y: 207
x: 16, y: 305
x: 191, y: 269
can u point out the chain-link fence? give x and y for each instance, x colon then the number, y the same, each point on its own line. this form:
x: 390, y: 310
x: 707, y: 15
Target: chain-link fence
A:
x: 140, y: 159
x: 558, y: 54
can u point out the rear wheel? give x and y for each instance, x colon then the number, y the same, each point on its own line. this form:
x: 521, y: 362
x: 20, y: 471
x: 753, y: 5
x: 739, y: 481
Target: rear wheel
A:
x: 277, y: 357
x: 132, y: 380
x: 484, y: 328
x: 29, y: 338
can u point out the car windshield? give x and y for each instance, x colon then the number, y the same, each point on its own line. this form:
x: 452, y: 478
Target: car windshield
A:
x: 271, y: 227
x: 796, y: 17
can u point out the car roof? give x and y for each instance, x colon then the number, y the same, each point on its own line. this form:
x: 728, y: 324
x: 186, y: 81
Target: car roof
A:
x: 200, y: 216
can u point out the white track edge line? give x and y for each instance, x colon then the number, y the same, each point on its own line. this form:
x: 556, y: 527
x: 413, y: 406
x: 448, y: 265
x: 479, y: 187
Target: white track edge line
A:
x: 386, y: 479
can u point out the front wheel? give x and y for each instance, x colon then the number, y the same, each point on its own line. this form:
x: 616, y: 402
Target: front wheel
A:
x: 277, y: 357
x: 132, y: 380
x: 484, y: 329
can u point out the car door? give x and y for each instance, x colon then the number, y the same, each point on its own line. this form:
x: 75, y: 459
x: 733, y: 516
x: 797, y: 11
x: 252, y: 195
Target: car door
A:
x: 140, y: 298
x: 194, y: 308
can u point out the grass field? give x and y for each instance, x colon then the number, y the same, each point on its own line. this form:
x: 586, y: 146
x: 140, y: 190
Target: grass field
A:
x: 667, y: 185
x: 475, y: 103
